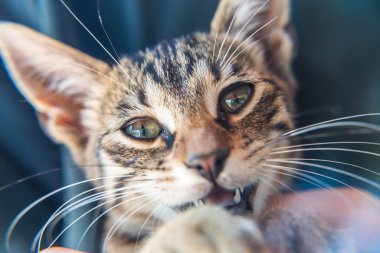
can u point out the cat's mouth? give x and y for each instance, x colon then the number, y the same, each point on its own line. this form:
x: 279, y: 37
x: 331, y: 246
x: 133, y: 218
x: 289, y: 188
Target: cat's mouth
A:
x: 236, y: 201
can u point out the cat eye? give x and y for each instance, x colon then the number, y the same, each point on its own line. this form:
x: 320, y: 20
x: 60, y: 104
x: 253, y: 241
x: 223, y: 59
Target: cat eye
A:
x: 144, y: 129
x: 235, y: 97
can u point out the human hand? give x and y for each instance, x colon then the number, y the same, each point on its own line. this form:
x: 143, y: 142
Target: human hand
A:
x: 60, y: 250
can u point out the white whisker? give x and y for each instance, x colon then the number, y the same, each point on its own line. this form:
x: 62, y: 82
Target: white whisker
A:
x: 329, y: 161
x: 328, y: 143
x: 67, y: 208
x: 104, y: 213
x: 96, y: 39
x: 374, y: 201
x: 279, y: 182
x: 337, y: 124
x: 311, y: 180
x: 32, y: 205
x: 332, y: 120
x: 89, y: 211
x: 103, y: 75
x: 334, y: 134
x: 248, y: 38
x: 2, y: 188
x: 216, y: 38
x: 329, y: 168
x: 228, y: 30
x: 326, y: 149
x: 104, y: 30
x: 121, y: 221
x: 143, y: 225
x: 243, y: 27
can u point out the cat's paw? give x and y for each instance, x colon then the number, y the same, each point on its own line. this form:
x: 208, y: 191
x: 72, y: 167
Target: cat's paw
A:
x: 207, y: 230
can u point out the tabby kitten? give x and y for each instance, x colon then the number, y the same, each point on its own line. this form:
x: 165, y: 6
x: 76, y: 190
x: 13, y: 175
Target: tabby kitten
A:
x: 181, y: 132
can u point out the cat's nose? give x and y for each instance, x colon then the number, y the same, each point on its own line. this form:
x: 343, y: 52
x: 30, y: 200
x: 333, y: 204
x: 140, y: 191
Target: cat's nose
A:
x: 209, y: 165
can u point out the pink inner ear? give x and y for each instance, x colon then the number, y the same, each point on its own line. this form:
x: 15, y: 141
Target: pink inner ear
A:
x: 65, y: 109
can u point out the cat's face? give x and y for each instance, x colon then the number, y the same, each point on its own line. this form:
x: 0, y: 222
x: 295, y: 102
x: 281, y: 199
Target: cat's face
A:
x: 194, y: 119
x: 192, y: 125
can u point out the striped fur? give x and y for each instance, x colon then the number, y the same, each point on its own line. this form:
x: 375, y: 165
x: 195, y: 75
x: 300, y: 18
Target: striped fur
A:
x: 84, y: 104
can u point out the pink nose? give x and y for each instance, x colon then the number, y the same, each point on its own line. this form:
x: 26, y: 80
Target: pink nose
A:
x: 209, y: 165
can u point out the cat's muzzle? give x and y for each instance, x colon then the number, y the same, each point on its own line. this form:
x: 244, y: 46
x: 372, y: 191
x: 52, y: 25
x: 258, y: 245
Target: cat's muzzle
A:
x: 236, y: 201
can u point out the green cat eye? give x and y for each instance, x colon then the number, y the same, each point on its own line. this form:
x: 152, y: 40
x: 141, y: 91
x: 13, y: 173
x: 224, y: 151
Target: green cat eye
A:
x: 234, y: 98
x: 143, y: 128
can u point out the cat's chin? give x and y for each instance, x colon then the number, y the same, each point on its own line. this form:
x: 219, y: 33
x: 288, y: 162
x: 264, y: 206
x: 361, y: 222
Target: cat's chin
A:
x: 236, y: 201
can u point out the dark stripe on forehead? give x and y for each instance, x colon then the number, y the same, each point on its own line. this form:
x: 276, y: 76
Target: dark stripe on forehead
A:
x: 191, y: 41
x: 152, y: 72
x: 167, y: 49
x: 172, y: 72
x: 215, y: 70
x: 190, y: 61
x: 142, y: 98
x: 124, y: 108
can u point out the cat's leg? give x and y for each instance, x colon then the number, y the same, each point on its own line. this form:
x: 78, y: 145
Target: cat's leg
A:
x: 207, y: 230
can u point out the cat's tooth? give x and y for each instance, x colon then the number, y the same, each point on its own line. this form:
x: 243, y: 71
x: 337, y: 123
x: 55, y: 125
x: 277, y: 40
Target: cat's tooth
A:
x: 196, y: 204
x: 237, y: 196
x: 201, y: 203
x: 241, y: 190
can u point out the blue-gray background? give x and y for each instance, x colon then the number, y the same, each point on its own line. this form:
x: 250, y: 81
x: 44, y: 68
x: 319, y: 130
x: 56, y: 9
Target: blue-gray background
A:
x: 338, y: 68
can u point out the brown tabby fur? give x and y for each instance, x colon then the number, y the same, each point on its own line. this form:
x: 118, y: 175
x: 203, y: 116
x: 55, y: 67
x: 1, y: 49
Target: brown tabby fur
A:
x: 83, y: 103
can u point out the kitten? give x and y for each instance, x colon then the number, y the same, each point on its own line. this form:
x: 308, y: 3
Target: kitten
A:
x: 181, y: 133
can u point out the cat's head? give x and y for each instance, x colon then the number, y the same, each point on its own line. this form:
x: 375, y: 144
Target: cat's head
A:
x: 194, y: 118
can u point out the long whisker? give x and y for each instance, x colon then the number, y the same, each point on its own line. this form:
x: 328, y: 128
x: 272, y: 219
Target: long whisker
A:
x: 279, y: 182
x: 326, y: 149
x: 228, y: 30
x: 89, y: 211
x: 67, y: 208
x: 123, y: 219
x: 104, y: 29
x: 337, y: 124
x: 103, y: 75
x: 32, y: 205
x: 328, y: 143
x: 329, y: 161
x: 333, y: 134
x: 275, y: 141
x: 332, y: 120
x: 96, y: 39
x: 311, y: 180
x: 245, y: 40
x: 143, y: 225
x: 319, y: 166
x: 243, y: 27
x: 261, y: 175
x: 216, y: 38
x: 57, y: 215
x: 104, y: 213
x: 286, y: 168
x: 42, y: 173
x: 22, y: 180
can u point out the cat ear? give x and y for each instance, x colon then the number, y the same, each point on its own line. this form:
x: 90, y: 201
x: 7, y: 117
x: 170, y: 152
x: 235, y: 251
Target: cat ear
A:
x: 263, y: 21
x: 59, y: 81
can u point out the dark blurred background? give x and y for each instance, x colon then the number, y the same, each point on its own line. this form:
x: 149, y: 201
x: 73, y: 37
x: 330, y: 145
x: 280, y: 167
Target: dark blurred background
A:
x: 337, y: 65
